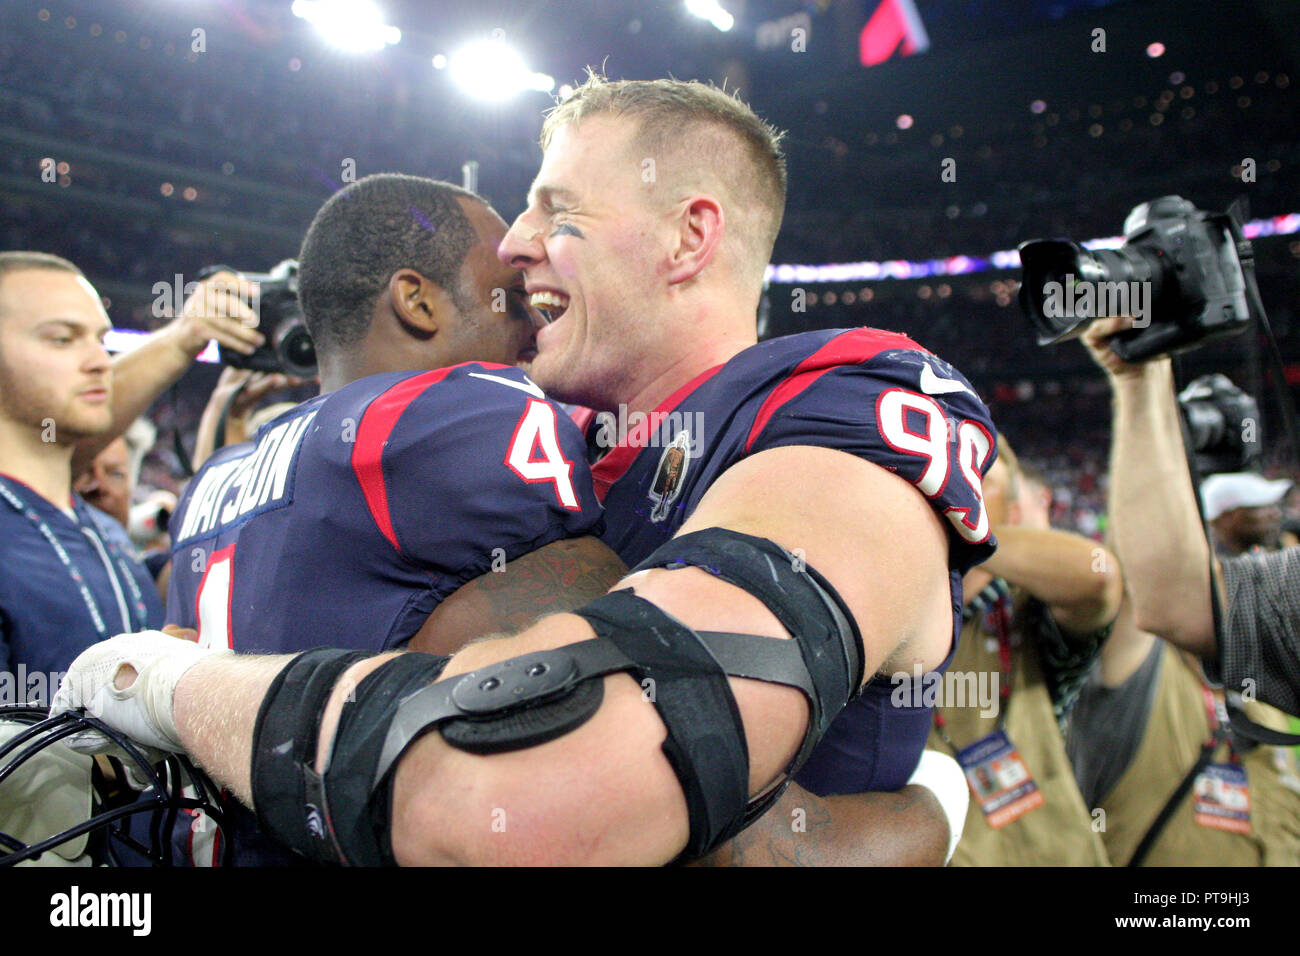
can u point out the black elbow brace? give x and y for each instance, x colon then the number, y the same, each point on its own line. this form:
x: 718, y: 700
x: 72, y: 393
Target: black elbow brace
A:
x: 527, y: 700
x: 334, y: 817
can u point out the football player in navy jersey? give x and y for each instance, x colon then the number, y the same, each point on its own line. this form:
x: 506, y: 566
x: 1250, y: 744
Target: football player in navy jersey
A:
x: 429, y: 466
x: 818, y: 515
x: 682, y: 409
x: 430, y: 494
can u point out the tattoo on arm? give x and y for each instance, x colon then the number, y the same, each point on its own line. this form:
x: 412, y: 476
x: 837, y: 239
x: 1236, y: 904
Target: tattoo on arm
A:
x: 906, y: 828
x: 558, y: 577
x: 785, y: 836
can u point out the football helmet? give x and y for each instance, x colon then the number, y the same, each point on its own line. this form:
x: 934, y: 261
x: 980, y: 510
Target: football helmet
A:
x: 132, y: 806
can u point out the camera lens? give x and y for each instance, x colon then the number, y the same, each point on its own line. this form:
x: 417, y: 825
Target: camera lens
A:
x: 1126, y: 264
x: 1048, y: 261
x: 1065, y: 286
x: 296, y: 350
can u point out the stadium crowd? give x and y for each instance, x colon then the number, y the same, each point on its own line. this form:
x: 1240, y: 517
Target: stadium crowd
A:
x: 1029, y: 674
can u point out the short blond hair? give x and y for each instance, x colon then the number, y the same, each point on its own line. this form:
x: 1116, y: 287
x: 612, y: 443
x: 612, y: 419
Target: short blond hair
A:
x: 22, y: 260
x: 706, y: 124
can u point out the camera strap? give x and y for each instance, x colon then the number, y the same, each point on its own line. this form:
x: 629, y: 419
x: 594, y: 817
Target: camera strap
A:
x: 1171, y: 805
x: 1243, y: 726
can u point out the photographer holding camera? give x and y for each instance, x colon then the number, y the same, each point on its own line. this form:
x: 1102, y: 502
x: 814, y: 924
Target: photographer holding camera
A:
x: 1182, y: 276
x: 1159, y: 538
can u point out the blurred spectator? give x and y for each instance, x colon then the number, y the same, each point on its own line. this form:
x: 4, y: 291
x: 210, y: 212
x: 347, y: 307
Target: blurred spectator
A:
x: 1034, y: 616
x: 1173, y: 574
x: 231, y: 406
x: 62, y: 401
x: 1243, y: 511
x: 108, y: 483
x: 1168, y: 781
x: 64, y: 583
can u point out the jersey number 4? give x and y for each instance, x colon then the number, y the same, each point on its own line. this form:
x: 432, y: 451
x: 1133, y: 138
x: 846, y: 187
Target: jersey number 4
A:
x: 535, y: 454
x: 212, y: 602
x: 943, y: 444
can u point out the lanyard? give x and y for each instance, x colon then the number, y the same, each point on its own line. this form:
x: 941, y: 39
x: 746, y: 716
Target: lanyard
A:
x: 1217, y: 715
x: 92, y: 606
x: 1002, y: 624
x: 141, y: 617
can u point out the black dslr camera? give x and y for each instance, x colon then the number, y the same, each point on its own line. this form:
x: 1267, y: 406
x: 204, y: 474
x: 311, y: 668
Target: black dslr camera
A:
x: 1223, y: 425
x: 1181, y: 272
x: 274, y: 299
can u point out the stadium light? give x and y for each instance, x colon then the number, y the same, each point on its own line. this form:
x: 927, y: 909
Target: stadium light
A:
x: 712, y: 11
x: 356, y: 25
x: 491, y: 70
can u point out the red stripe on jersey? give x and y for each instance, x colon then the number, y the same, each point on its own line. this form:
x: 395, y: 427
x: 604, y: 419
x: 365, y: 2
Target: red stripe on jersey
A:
x: 615, y: 465
x: 850, y: 348
x: 582, y: 417
x: 225, y: 554
x: 215, y: 848
x: 376, y: 426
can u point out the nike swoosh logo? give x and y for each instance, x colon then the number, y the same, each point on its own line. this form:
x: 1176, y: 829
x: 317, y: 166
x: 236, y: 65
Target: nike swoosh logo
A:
x: 531, y: 386
x: 933, y: 384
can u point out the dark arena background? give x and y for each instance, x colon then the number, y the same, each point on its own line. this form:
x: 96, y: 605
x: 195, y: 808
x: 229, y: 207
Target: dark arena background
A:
x: 145, y: 140
x: 168, y: 159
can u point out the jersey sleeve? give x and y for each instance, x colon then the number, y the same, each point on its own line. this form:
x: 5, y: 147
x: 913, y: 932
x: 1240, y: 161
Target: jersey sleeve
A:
x: 880, y: 396
x: 466, y: 468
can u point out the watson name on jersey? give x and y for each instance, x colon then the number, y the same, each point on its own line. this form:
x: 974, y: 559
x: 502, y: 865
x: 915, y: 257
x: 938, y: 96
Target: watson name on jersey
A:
x: 349, y: 518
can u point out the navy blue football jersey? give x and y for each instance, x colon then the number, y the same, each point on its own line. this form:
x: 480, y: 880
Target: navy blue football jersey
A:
x: 874, y: 394
x: 66, y: 581
x: 349, y: 518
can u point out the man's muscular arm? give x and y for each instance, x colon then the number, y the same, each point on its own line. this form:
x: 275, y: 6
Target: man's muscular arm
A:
x: 1079, y: 581
x: 906, y: 828
x: 605, y: 793
x: 1153, y: 511
x: 560, y: 576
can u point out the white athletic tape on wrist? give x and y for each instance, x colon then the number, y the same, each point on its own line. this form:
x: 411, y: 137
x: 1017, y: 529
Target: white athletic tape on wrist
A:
x: 943, y: 777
